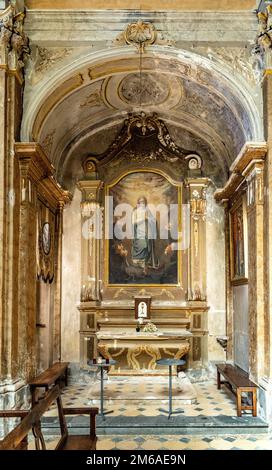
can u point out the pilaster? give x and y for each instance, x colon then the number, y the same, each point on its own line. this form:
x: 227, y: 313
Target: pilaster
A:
x: 36, y: 181
x: 91, y: 225
x: 267, y: 100
x: 13, y: 50
x: 254, y: 175
x: 197, y: 251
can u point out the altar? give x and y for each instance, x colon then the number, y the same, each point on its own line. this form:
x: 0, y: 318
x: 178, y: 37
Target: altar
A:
x: 136, y: 353
x: 150, y: 267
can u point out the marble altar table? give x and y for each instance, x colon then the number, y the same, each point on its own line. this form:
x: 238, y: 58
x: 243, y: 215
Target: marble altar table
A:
x: 137, y: 353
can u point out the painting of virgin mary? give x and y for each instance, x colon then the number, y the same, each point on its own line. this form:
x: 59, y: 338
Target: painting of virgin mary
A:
x: 145, y: 257
x: 144, y: 226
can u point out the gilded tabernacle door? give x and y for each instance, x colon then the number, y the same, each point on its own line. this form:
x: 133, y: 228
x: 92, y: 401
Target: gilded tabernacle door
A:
x: 143, y: 234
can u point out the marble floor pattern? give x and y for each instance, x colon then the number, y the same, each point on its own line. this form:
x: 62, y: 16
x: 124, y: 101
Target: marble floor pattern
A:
x: 210, y: 402
x: 165, y: 442
x: 145, y: 390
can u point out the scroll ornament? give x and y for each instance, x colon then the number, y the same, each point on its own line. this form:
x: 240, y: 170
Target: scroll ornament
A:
x: 264, y: 38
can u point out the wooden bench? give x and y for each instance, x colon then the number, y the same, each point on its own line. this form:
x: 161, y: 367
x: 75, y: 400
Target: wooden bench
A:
x: 51, y: 376
x: 31, y: 420
x: 238, y: 382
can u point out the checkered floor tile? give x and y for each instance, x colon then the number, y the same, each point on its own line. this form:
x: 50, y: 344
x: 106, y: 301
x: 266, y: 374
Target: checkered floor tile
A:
x: 139, y: 397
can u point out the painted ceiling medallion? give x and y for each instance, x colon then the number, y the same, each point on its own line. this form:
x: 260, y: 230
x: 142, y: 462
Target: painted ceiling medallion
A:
x: 145, y: 88
x: 149, y: 89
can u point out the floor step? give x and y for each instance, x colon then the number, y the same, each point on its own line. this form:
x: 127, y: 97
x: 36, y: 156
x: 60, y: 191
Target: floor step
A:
x: 162, y: 425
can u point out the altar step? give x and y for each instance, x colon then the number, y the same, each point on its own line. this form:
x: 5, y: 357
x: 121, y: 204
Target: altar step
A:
x: 137, y: 425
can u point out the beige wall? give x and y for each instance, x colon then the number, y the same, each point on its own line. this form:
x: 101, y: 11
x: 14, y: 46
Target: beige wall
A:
x: 215, y: 245
x: 240, y: 327
x: 144, y: 5
x: 71, y: 262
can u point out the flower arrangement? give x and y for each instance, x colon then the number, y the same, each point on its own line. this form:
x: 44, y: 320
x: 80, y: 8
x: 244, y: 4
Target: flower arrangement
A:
x: 150, y: 328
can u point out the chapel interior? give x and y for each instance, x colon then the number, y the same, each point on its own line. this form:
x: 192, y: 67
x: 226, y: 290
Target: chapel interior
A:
x: 107, y: 111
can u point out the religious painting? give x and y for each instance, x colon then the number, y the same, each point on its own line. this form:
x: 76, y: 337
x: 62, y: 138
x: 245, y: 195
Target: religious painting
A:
x: 238, y: 246
x: 142, y: 246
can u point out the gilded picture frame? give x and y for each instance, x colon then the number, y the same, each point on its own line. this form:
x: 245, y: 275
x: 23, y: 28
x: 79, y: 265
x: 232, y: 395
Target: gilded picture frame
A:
x: 238, y: 242
x: 123, y: 247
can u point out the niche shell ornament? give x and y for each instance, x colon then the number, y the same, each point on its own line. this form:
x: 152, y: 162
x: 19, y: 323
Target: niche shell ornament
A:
x: 140, y: 35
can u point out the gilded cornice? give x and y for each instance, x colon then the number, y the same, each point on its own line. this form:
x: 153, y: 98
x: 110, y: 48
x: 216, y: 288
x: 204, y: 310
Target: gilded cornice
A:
x: 252, y: 153
x: 35, y: 165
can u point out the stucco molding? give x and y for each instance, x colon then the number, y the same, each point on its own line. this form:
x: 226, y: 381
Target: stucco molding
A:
x: 251, y: 154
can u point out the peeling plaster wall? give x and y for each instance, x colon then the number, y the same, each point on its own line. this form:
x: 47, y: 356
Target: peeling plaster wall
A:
x: 71, y: 262
x: 216, y: 288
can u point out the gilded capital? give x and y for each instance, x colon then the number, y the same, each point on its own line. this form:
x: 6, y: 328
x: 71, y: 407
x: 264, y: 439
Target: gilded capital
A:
x: 255, y: 184
x: 197, y: 196
x: 90, y: 190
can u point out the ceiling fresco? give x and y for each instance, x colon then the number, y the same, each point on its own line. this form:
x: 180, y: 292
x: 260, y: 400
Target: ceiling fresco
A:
x: 201, y: 115
x: 80, y: 110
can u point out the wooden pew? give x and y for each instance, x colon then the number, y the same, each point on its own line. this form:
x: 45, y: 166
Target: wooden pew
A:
x: 31, y: 420
x: 51, y: 376
x: 17, y: 414
x: 238, y: 382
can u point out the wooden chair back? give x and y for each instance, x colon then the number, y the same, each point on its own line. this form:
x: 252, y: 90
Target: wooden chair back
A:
x: 32, y: 421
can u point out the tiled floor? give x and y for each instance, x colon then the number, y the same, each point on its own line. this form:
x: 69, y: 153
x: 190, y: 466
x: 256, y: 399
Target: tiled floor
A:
x: 165, y: 442
x: 145, y: 390
x: 245, y: 442
x: 138, y: 396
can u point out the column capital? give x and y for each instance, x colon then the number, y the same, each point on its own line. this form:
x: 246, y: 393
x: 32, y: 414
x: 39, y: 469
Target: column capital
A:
x: 254, y: 175
x: 90, y: 189
x: 197, y: 182
x: 197, y: 195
